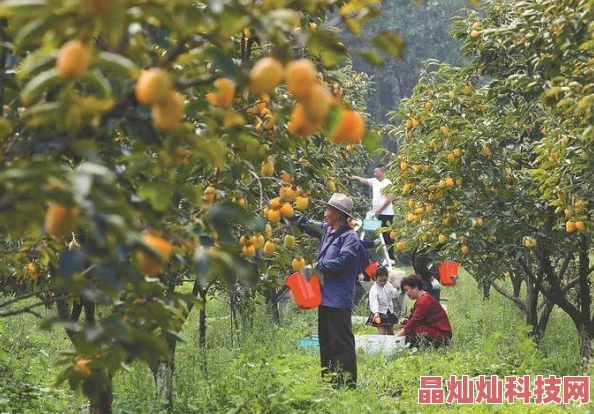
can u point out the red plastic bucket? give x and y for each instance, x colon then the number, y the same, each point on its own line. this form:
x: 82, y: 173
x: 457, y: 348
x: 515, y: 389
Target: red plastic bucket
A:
x: 448, y: 273
x: 307, y: 294
x: 370, y: 270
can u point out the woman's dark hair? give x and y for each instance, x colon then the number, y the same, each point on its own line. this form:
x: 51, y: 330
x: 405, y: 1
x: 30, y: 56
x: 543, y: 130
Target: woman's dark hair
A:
x: 412, y: 281
x: 381, y: 271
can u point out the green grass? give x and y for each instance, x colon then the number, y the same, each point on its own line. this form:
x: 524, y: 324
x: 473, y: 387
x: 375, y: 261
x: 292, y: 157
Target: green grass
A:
x: 266, y: 372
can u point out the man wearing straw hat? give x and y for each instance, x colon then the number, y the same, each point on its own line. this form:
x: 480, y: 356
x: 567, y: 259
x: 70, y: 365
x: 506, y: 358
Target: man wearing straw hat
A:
x: 338, y: 261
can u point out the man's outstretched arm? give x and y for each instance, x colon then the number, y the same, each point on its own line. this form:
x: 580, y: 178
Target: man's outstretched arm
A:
x: 360, y: 179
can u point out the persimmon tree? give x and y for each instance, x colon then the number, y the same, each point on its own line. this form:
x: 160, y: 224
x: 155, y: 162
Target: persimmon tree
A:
x: 140, y: 140
x: 503, y: 149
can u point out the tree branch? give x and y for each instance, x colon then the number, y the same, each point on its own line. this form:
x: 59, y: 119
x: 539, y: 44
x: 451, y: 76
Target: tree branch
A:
x: 570, y: 284
x: 27, y: 309
x: 558, y: 300
x: 195, y: 291
x: 243, y: 108
x: 519, y: 302
x: 124, y: 103
x: 565, y: 265
x: 243, y: 56
x: 179, y: 49
x: 196, y: 82
x: 36, y: 314
x: 23, y: 297
x: 250, y: 45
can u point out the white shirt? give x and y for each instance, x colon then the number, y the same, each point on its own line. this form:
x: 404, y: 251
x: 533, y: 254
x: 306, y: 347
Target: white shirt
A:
x: 380, y: 298
x: 378, y: 198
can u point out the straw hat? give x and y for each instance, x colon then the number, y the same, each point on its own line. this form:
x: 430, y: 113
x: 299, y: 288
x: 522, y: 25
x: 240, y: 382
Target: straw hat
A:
x: 342, y: 203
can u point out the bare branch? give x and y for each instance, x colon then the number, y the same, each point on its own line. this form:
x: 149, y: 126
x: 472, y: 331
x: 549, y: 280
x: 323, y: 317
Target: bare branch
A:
x: 27, y: 309
x: 196, y: 82
x: 565, y: 265
x: 36, y: 314
x: 570, y: 284
x: 519, y: 302
x: 23, y: 297
x: 179, y: 49
x: 243, y: 108
x: 558, y: 299
x: 261, y: 189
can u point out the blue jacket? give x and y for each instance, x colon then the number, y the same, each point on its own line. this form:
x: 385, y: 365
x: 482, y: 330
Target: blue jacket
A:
x: 339, y: 257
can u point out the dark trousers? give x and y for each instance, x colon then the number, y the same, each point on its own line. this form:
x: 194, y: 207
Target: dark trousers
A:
x: 386, y: 235
x: 337, y: 345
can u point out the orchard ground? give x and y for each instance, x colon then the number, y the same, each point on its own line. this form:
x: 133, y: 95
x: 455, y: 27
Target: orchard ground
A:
x: 264, y: 371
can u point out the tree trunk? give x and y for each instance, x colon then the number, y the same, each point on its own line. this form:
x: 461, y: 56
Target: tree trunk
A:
x: 103, y: 403
x: 585, y: 300
x: 163, y: 374
x: 245, y: 305
x: 89, y: 308
x: 234, y: 305
x: 202, y: 339
x: 272, y: 304
x: 486, y: 289
x: 531, y: 306
x: 543, y: 321
x: 517, y: 278
x: 585, y: 344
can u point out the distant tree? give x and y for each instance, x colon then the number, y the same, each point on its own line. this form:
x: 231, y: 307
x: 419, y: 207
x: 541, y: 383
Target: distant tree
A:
x: 425, y: 27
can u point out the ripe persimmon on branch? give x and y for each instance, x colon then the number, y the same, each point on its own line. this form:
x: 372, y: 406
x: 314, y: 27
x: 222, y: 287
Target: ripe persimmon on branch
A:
x: 491, y: 168
x: 146, y: 138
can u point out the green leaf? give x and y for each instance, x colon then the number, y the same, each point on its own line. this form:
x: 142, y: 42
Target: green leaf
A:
x: 44, y: 113
x: 389, y: 42
x: 117, y: 64
x: 114, y: 22
x: 372, y: 141
x: 99, y: 84
x: 36, y: 87
x: 159, y: 13
x: 221, y: 216
x: 332, y: 120
x: 327, y: 47
x: 5, y: 128
x: 157, y: 194
x: 372, y: 57
x: 354, y: 26
x: 21, y: 8
x: 32, y: 32
x: 34, y: 62
x: 222, y: 61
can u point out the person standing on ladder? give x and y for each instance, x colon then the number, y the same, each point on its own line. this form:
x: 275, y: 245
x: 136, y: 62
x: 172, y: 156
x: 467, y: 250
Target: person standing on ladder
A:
x: 381, y: 203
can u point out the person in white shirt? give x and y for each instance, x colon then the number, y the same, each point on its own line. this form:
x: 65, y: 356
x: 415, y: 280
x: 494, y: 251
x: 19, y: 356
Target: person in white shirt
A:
x: 380, y: 303
x: 381, y: 203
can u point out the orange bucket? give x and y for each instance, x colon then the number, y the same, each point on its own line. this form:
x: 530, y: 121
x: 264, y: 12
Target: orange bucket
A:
x: 370, y: 269
x: 448, y: 273
x: 307, y: 294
